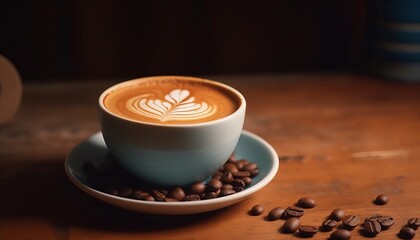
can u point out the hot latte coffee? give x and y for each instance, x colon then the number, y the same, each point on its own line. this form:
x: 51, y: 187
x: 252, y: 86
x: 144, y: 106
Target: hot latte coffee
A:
x: 171, y: 100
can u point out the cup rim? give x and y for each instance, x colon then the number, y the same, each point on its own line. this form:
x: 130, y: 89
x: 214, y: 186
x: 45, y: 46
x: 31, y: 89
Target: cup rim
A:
x: 241, y: 108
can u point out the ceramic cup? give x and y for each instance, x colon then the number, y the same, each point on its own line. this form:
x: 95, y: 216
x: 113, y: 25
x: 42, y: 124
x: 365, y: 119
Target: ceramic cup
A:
x: 171, y: 153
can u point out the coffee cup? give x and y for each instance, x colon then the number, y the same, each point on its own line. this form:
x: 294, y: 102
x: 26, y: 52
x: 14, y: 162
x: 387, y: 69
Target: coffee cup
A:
x: 171, y: 130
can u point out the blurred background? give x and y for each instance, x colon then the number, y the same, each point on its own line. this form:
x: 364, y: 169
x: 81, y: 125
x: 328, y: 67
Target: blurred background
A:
x: 97, y: 39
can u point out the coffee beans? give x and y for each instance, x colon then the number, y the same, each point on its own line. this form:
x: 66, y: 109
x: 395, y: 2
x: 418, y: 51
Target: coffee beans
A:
x: 350, y: 221
x: 407, y: 233
x: 338, y: 214
x: 307, y: 230
x: 414, y: 223
x: 381, y: 199
x: 257, y: 210
x: 328, y: 224
x: 233, y: 177
x: 340, y: 234
x: 291, y: 225
x: 294, y: 211
x: 275, y: 213
x: 306, y: 202
x: 385, y: 221
x: 372, y: 227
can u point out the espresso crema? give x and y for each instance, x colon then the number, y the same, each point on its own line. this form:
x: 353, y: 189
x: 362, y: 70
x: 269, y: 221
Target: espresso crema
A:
x: 171, y: 100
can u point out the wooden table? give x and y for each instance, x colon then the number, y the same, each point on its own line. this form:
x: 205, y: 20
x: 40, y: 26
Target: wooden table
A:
x: 341, y: 139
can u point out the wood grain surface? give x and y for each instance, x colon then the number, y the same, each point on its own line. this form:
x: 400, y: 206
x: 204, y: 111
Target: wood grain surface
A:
x: 341, y: 140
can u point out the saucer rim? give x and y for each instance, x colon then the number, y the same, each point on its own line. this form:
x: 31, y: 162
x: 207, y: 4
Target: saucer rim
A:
x: 172, y: 208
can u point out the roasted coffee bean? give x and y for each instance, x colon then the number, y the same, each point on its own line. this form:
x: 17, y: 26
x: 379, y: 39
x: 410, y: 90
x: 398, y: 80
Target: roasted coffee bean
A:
x: 227, y: 192
x: 241, y: 174
x: 237, y: 189
x: 385, y: 221
x: 372, y: 227
x: 414, y: 223
x: 160, y: 197
x: 213, y: 185
x: 226, y: 186
x: 306, y: 202
x: 227, y: 177
x: 247, y: 181
x: 192, y: 197
x: 373, y: 217
x: 217, y: 175
x: 407, y: 233
x: 256, y: 210
x: 249, y: 167
x: 338, y: 214
x: 328, y: 224
x: 210, y: 195
x: 241, y: 163
x: 238, y: 183
x: 340, y: 234
x: 197, y: 188
x: 381, y: 199
x: 139, y: 194
x: 177, y: 193
x: 307, y: 230
x: 275, y: 213
x: 291, y: 225
x: 163, y: 191
x: 350, y: 221
x: 124, y: 191
x: 254, y: 172
x: 230, y: 167
x: 149, y: 198
x: 294, y: 211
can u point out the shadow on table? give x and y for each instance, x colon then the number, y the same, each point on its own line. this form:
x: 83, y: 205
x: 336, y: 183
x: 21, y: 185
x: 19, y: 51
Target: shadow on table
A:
x: 43, y: 190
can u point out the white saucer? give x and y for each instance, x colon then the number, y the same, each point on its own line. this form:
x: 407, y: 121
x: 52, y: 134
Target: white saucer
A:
x: 250, y: 147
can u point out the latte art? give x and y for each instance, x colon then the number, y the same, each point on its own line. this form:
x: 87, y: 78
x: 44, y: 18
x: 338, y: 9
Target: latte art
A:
x: 171, y: 100
x: 177, y: 105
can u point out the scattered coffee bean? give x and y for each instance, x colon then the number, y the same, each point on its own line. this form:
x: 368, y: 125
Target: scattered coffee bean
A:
x: 139, y: 194
x: 192, y: 197
x: 291, y: 225
x: 249, y: 167
x: 350, y: 222
x: 328, y: 224
x: 254, y: 172
x: 227, y: 186
x: 213, y: 185
x: 149, y: 198
x: 238, y: 183
x: 381, y: 199
x: 306, y: 202
x: 227, y: 192
x: 373, y: 217
x: 210, y: 195
x: 237, y: 189
x: 307, y: 230
x: 293, y: 211
x: 230, y: 167
x: 257, y: 210
x: 241, y: 174
x: 338, y: 214
x: 158, y: 196
x: 407, y: 233
x: 372, y: 227
x: 385, y: 222
x: 177, y: 193
x: 340, y: 234
x: 217, y: 175
x: 197, y: 188
x: 227, y: 177
x: 414, y: 223
x: 275, y: 213
x: 247, y: 181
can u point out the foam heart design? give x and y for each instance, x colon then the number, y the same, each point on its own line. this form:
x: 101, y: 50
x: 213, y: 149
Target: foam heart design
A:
x: 177, y: 105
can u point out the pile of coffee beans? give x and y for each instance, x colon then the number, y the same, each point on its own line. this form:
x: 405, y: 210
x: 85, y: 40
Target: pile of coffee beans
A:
x: 338, y: 219
x: 234, y: 176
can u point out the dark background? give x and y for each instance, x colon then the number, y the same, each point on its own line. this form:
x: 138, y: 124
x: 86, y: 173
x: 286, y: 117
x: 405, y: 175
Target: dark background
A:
x: 68, y: 39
